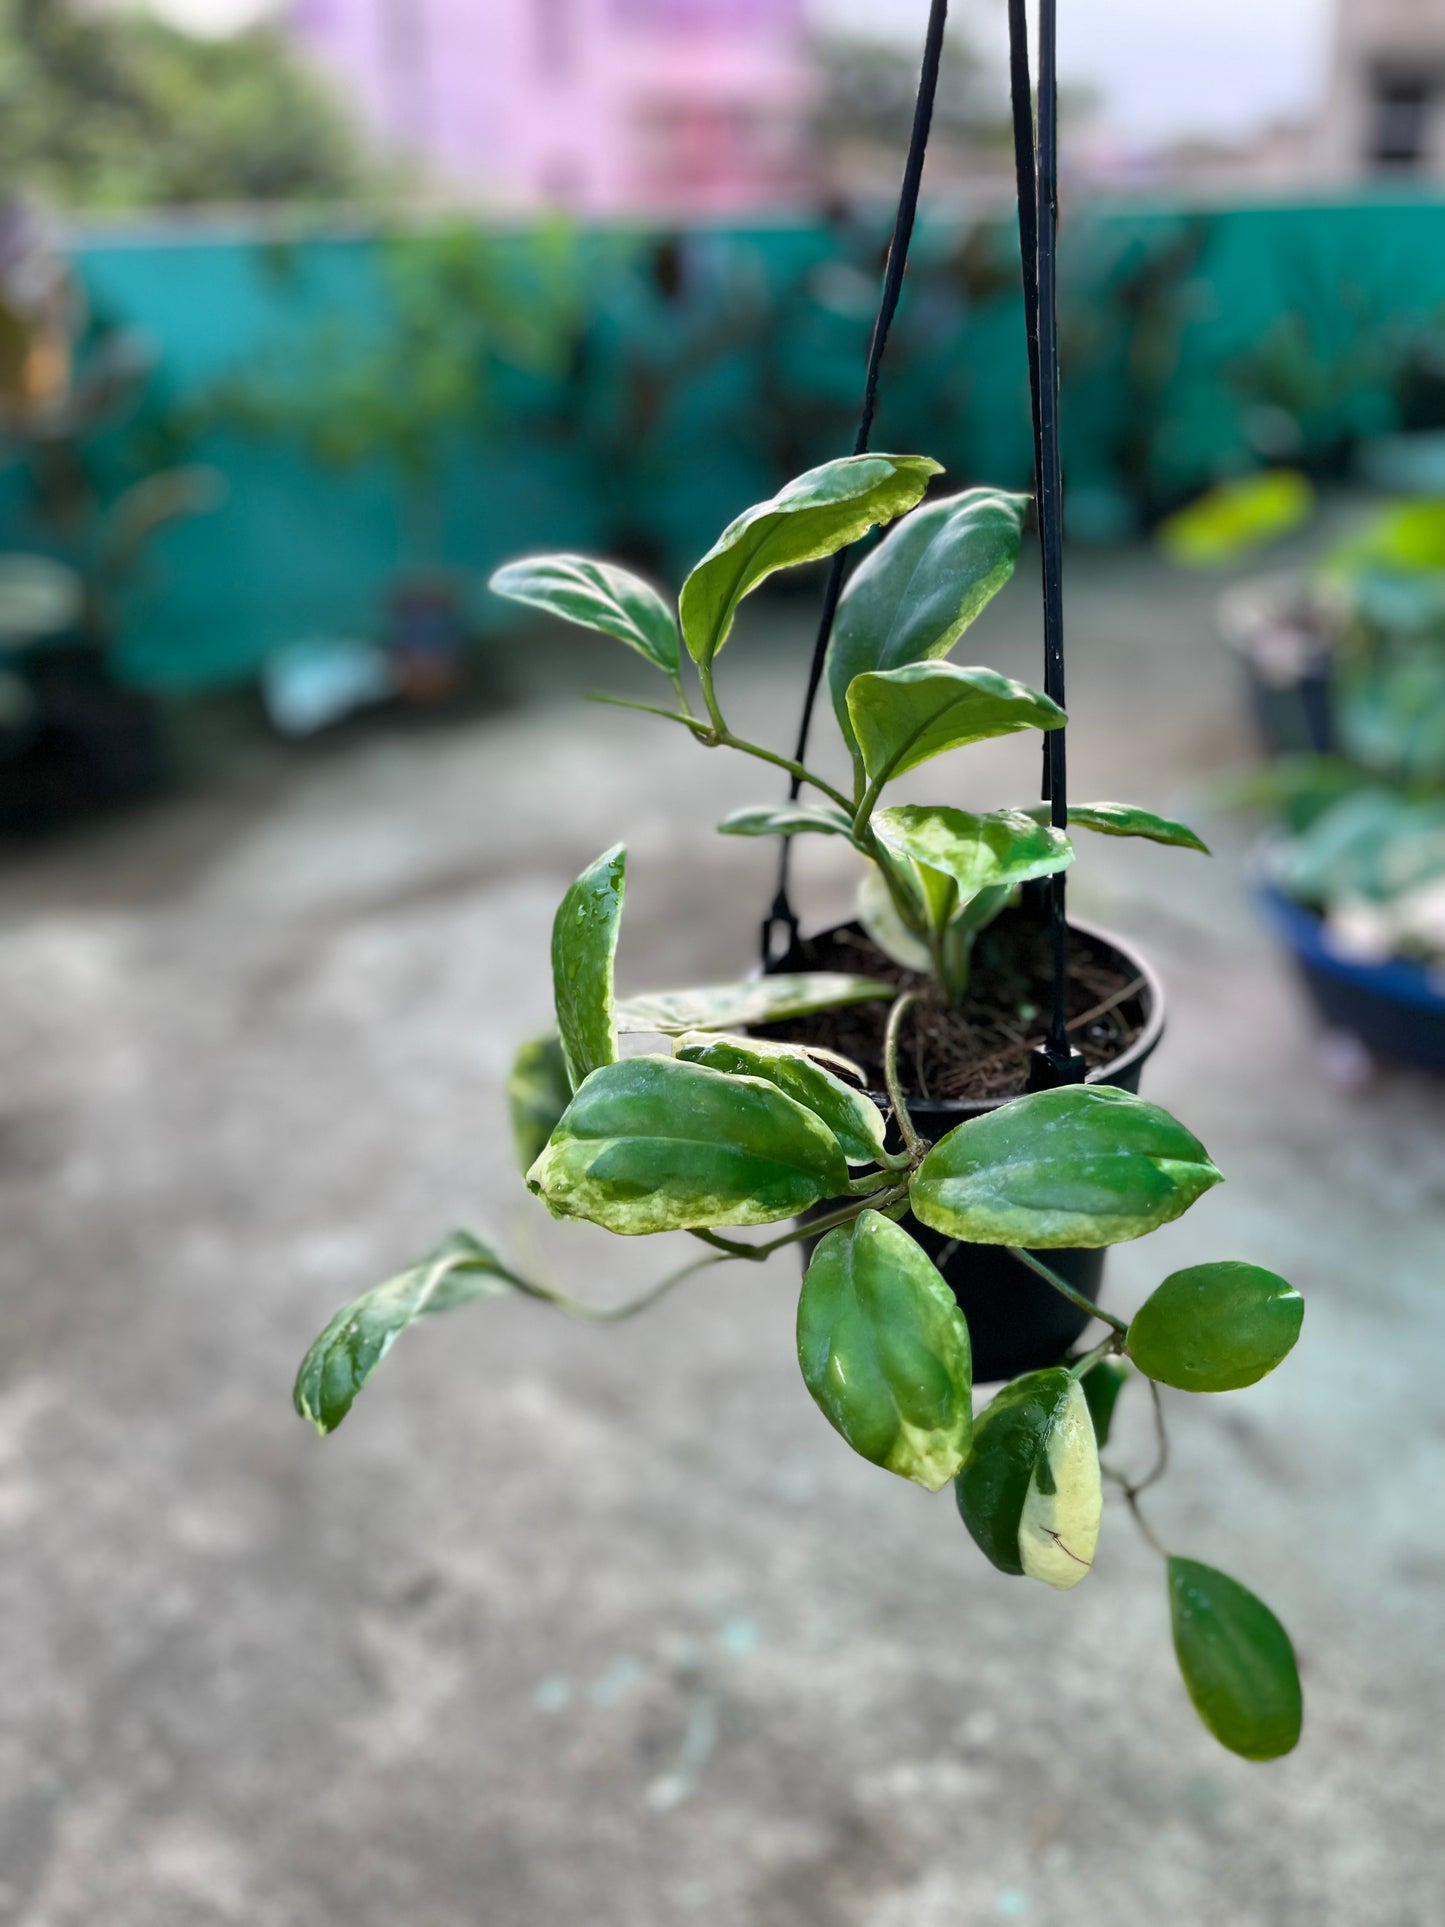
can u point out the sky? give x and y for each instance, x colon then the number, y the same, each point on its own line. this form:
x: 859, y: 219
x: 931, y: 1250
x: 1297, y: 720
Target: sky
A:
x: 1161, y: 68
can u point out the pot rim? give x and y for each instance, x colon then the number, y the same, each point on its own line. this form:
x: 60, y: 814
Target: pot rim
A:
x: 1404, y: 981
x: 1142, y: 1047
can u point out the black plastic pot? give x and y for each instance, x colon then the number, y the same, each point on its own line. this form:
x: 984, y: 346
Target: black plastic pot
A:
x: 1288, y: 664
x: 1396, y: 1008
x: 1018, y: 1323
x: 86, y: 742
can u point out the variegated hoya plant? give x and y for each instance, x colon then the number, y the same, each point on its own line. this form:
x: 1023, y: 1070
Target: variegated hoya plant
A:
x: 726, y: 1130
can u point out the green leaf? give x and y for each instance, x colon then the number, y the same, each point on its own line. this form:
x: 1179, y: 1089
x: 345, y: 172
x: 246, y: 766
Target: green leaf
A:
x: 1225, y: 523
x: 853, y: 1118
x: 597, y: 595
x: 1215, y: 1328
x: 787, y: 819
x: 879, y: 916
x: 884, y: 1350
x: 1102, y: 1385
x: 1124, y: 819
x: 538, y: 1092
x: 901, y: 717
x: 1030, y: 1493
x: 761, y: 1000
x: 969, y: 853
x: 343, y: 1358
x: 1237, y: 1662
x: 584, y: 945
x: 655, y: 1144
x: 914, y: 596
x: 1084, y: 1166
x: 815, y: 515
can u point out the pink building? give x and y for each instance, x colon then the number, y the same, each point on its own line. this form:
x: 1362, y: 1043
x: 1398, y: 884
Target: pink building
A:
x: 605, y: 106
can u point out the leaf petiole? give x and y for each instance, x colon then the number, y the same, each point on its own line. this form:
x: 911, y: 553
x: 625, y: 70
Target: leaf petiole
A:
x: 1066, y: 1290
x: 913, y: 1143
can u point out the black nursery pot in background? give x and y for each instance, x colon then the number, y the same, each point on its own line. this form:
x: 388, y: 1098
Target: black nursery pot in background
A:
x: 1288, y: 664
x: 1017, y: 1322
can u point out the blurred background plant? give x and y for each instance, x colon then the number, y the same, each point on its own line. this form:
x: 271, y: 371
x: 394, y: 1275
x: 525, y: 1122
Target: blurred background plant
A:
x: 92, y: 478
x: 107, y: 109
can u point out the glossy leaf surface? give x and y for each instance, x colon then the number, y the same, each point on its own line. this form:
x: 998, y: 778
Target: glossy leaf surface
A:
x: 538, y: 1092
x: 1215, y: 1328
x: 1125, y: 819
x: 1237, y: 1661
x: 787, y: 819
x: 656, y: 1144
x: 853, y: 1118
x: 914, y: 596
x: 584, y: 944
x: 972, y: 853
x: 815, y: 515
x: 1102, y: 1385
x: 879, y: 916
x: 597, y: 595
x: 902, y: 717
x: 884, y: 1351
x: 761, y: 1000
x: 1030, y: 1493
x: 343, y: 1358
x: 1086, y: 1165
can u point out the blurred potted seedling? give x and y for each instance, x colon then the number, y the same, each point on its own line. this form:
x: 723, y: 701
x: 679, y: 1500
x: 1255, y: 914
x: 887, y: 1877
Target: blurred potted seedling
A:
x: 72, y: 734
x: 1354, y: 882
x: 465, y: 317
x: 1345, y: 666
x: 952, y: 1221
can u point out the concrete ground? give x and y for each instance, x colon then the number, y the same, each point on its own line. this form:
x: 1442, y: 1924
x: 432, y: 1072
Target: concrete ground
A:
x: 605, y: 1628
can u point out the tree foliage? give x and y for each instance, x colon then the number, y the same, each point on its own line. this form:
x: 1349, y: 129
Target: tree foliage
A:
x: 111, y: 110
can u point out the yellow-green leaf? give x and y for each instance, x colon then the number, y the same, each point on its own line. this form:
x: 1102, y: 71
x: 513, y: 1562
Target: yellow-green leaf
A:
x: 787, y: 819
x: 1030, y: 1493
x: 584, y: 945
x: 815, y: 515
x: 1226, y: 522
x: 956, y: 854
x: 343, y: 1358
x: 1126, y: 819
x: 656, y: 1144
x: 884, y: 1350
x: 538, y: 1092
x: 595, y: 595
x: 760, y: 1000
x: 852, y: 1117
x: 902, y: 717
x: 1084, y: 1166
x: 914, y: 596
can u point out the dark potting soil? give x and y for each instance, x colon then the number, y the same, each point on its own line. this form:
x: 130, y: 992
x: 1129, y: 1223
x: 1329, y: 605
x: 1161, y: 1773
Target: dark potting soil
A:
x: 980, y: 1050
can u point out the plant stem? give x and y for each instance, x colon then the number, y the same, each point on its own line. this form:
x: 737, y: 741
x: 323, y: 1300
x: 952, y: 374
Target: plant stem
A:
x: 1133, y: 1487
x: 717, y: 735
x: 1081, y: 1367
x: 709, y: 696
x: 609, y: 1315
x: 695, y: 723
x: 1161, y: 1444
x: 1131, y: 1497
x: 727, y: 740
x: 912, y: 1142
x: 675, y: 677
x: 1066, y: 1290
x: 815, y: 1227
x: 811, y: 1228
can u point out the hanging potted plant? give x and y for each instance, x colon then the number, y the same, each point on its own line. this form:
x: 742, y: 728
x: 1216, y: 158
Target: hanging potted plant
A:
x: 921, y: 1216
